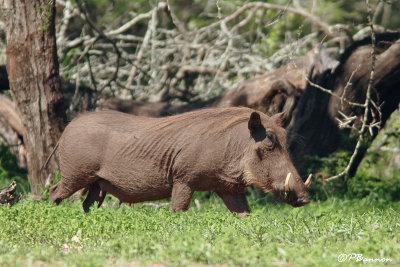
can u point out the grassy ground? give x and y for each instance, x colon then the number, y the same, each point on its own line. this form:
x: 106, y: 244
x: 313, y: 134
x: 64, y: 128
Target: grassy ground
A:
x: 34, y: 233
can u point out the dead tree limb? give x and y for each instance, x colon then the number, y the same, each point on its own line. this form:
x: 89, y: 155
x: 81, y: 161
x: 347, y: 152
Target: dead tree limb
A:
x: 10, y: 113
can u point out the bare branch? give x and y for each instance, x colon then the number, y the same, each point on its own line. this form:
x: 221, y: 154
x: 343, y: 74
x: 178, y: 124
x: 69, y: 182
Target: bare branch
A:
x: 130, y: 65
x: 145, y: 43
x: 130, y: 23
x: 325, y: 28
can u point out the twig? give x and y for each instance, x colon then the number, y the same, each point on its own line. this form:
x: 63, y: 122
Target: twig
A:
x: 197, y: 202
x: 130, y: 23
x: 92, y: 78
x: 145, y: 43
x: 348, y: 84
x: 155, y: 205
x: 342, y: 98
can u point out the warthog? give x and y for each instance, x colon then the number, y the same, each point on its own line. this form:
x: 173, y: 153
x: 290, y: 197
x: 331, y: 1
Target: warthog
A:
x: 141, y: 159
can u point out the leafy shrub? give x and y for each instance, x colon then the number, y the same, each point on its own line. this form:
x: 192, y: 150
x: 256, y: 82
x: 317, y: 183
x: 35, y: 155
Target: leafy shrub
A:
x: 372, y: 179
x: 45, y: 190
x: 324, y: 167
x: 378, y: 176
x: 381, y: 189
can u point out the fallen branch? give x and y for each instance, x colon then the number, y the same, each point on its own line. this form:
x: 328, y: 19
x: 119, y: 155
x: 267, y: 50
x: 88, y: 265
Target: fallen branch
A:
x: 8, y: 196
x: 10, y: 113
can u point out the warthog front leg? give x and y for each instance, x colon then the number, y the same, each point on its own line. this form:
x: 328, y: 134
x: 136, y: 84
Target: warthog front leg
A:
x: 181, y: 195
x: 235, y: 202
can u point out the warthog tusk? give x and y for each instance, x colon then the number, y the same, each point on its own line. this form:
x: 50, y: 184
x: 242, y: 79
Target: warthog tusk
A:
x: 287, y: 189
x: 307, y: 183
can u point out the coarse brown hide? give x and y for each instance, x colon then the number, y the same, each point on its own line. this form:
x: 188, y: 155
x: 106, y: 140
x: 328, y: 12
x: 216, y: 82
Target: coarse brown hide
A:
x: 140, y: 159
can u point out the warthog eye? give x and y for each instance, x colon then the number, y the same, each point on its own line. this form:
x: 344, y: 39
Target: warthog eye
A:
x: 268, y: 145
x: 270, y: 141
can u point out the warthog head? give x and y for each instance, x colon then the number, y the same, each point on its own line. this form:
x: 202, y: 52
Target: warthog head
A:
x: 267, y: 163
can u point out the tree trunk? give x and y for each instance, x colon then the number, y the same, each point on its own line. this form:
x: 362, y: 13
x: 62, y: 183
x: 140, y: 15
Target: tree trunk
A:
x: 32, y: 68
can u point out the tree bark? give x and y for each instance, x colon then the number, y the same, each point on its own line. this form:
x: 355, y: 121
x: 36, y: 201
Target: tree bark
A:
x: 33, y: 73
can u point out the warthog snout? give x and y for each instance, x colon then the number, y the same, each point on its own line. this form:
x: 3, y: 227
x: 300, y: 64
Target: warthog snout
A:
x: 296, y: 196
x: 298, y: 201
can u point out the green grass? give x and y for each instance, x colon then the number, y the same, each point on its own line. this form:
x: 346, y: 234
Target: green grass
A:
x: 274, y: 234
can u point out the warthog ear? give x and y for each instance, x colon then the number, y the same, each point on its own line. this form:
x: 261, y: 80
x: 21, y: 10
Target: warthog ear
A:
x: 254, y: 122
x: 257, y: 130
x: 279, y: 119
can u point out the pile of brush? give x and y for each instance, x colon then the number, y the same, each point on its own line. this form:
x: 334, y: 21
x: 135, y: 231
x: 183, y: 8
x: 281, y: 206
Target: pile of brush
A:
x: 8, y: 196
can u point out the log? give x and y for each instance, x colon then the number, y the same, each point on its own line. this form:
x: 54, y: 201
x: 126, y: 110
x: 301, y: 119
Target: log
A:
x: 8, y: 195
